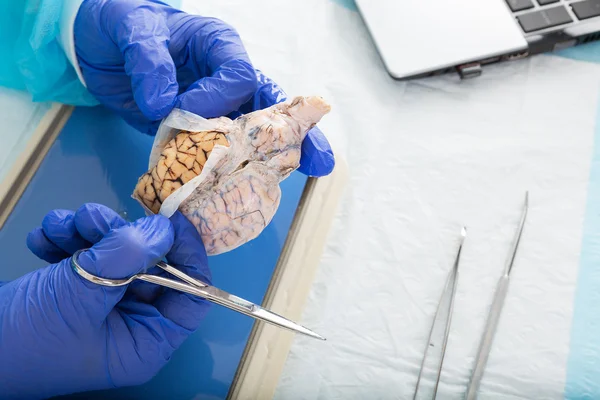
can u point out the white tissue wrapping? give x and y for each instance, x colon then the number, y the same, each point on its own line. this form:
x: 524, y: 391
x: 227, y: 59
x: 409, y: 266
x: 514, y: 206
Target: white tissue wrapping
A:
x: 181, y: 120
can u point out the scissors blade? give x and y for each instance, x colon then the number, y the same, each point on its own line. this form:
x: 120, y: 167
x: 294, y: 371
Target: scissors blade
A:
x: 221, y: 297
x: 253, y: 310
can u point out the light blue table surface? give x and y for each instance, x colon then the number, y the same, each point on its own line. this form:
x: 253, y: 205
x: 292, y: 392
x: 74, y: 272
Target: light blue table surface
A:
x: 98, y: 158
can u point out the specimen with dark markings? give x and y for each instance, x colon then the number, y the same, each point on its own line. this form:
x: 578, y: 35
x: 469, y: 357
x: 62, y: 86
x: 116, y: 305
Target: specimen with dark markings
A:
x: 234, y: 169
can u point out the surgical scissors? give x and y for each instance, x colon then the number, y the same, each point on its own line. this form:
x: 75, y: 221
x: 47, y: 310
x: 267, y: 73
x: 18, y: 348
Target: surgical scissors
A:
x: 443, y: 318
x: 198, y: 288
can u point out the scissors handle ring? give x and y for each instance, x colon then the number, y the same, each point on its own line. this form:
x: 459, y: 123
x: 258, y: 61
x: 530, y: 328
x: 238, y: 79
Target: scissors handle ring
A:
x: 96, y: 279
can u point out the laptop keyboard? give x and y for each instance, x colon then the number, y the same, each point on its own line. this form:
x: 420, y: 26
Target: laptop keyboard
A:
x: 586, y: 9
x: 536, y: 15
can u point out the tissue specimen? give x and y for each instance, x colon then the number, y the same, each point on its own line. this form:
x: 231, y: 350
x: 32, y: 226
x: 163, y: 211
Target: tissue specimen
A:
x: 237, y: 195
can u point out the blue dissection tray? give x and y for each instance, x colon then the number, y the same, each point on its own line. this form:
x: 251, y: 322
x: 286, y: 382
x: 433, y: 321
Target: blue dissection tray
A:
x: 98, y: 158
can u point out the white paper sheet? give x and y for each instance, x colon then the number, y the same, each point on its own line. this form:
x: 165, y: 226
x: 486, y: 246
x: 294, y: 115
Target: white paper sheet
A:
x: 426, y: 157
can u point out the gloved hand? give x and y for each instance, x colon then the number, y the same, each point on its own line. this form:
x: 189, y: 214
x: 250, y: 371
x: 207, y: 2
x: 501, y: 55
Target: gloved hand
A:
x: 141, y: 58
x: 61, y: 334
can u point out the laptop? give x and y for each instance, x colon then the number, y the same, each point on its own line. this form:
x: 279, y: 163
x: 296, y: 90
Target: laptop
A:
x: 418, y: 38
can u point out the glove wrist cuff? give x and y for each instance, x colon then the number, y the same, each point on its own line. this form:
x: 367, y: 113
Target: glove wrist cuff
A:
x: 67, y: 35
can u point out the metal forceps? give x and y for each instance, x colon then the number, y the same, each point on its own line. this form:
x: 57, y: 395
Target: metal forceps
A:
x: 495, y: 311
x: 198, y: 288
x: 442, y: 320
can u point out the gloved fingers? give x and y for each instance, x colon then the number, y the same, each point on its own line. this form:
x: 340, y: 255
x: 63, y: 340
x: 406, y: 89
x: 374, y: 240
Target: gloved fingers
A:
x: 188, y: 255
x: 152, y: 333
x: 142, y: 36
x: 146, y: 292
x: 268, y: 94
x: 216, y: 44
x: 220, y: 94
x: 63, y: 232
x: 184, y: 312
x: 121, y: 253
x: 317, y: 157
x: 59, y: 227
x: 226, y: 77
x: 94, y: 221
x: 43, y: 248
x: 188, y: 251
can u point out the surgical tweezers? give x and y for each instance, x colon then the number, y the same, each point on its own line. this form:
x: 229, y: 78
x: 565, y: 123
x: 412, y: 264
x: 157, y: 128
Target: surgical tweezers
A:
x: 495, y: 311
x: 198, y: 288
x: 443, y: 318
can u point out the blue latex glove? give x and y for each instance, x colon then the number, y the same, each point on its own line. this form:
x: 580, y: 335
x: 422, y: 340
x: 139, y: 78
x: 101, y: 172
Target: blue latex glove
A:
x: 60, y: 334
x: 141, y: 58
